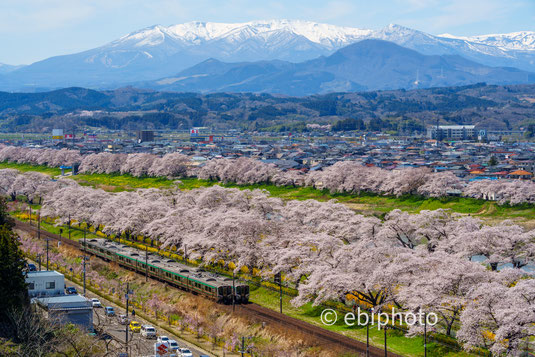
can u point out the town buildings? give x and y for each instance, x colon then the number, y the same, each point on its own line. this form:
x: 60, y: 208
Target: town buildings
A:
x: 46, y: 289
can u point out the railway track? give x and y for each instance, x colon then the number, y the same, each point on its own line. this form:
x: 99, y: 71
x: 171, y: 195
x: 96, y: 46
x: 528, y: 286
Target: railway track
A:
x: 324, y: 338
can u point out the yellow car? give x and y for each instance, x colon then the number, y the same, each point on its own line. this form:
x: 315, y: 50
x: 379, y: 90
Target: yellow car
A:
x: 135, y: 326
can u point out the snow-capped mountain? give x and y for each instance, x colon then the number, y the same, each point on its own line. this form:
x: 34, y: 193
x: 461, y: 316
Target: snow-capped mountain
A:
x: 163, y: 51
x: 366, y: 65
x: 521, y: 41
x: 195, y: 33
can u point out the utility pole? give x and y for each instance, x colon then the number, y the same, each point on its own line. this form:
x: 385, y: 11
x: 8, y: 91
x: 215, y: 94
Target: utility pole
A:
x: 84, y: 258
x: 39, y: 225
x: 146, y: 263
x: 30, y: 215
x: 280, y: 297
x: 126, y: 330
x: 39, y: 261
x: 233, y: 293
x: 242, y: 346
x: 47, y: 254
x: 386, y: 351
x: 368, y: 334
x: 368, y: 339
x: 425, y: 335
x: 278, y: 280
x: 69, y: 226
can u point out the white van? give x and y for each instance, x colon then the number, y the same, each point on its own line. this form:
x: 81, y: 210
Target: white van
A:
x: 148, y: 331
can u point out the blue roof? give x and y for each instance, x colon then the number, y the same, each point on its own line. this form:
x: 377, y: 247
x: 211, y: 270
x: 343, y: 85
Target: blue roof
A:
x: 478, y: 178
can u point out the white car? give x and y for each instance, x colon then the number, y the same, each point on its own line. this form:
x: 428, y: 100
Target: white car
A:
x: 163, y: 339
x: 148, y: 331
x: 96, y: 302
x: 173, y: 345
x: 184, y: 352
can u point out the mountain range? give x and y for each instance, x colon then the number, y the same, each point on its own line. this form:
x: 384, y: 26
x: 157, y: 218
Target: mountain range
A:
x: 274, y: 48
x: 363, y: 66
x: 6, y: 68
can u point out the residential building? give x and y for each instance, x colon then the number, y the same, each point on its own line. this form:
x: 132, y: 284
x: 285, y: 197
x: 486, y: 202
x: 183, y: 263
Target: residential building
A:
x: 452, y: 132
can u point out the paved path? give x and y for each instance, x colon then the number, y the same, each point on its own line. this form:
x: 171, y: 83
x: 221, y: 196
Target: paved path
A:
x: 139, y: 346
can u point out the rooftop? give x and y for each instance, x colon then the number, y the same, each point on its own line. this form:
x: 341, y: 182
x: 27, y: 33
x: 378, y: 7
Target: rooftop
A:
x: 44, y: 273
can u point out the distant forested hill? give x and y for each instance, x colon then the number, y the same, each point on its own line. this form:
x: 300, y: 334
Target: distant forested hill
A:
x: 497, y: 107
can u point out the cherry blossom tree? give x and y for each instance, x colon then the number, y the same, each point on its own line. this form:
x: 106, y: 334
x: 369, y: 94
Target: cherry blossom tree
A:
x: 438, y: 283
x: 499, y: 317
x: 170, y: 165
x: 104, y: 162
x: 504, y: 191
x: 439, y: 184
x: 501, y: 244
x: 138, y: 164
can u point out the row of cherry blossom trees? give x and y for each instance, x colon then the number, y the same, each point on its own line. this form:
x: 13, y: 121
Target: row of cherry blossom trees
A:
x: 343, y: 176
x: 142, y: 164
x: 170, y: 165
x: 38, y: 156
x: 468, y: 273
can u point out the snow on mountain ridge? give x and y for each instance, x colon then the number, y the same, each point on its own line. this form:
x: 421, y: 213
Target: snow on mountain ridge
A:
x: 522, y: 40
x: 331, y: 37
x: 196, y: 32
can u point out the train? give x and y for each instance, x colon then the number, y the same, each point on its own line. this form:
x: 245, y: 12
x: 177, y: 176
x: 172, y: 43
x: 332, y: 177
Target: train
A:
x: 193, y: 279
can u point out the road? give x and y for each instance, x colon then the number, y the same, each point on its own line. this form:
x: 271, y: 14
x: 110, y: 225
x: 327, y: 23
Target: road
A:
x: 138, y: 345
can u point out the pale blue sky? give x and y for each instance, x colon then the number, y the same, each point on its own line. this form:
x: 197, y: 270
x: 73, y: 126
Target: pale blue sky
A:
x: 31, y: 30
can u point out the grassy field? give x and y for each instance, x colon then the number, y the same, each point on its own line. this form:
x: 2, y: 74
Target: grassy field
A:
x: 364, y: 203
x: 26, y: 167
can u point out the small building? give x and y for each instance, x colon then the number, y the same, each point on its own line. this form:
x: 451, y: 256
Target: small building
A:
x: 145, y: 135
x: 74, y: 309
x: 46, y: 290
x: 45, y: 283
x: 452, y: 132
x: 520, y: 174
